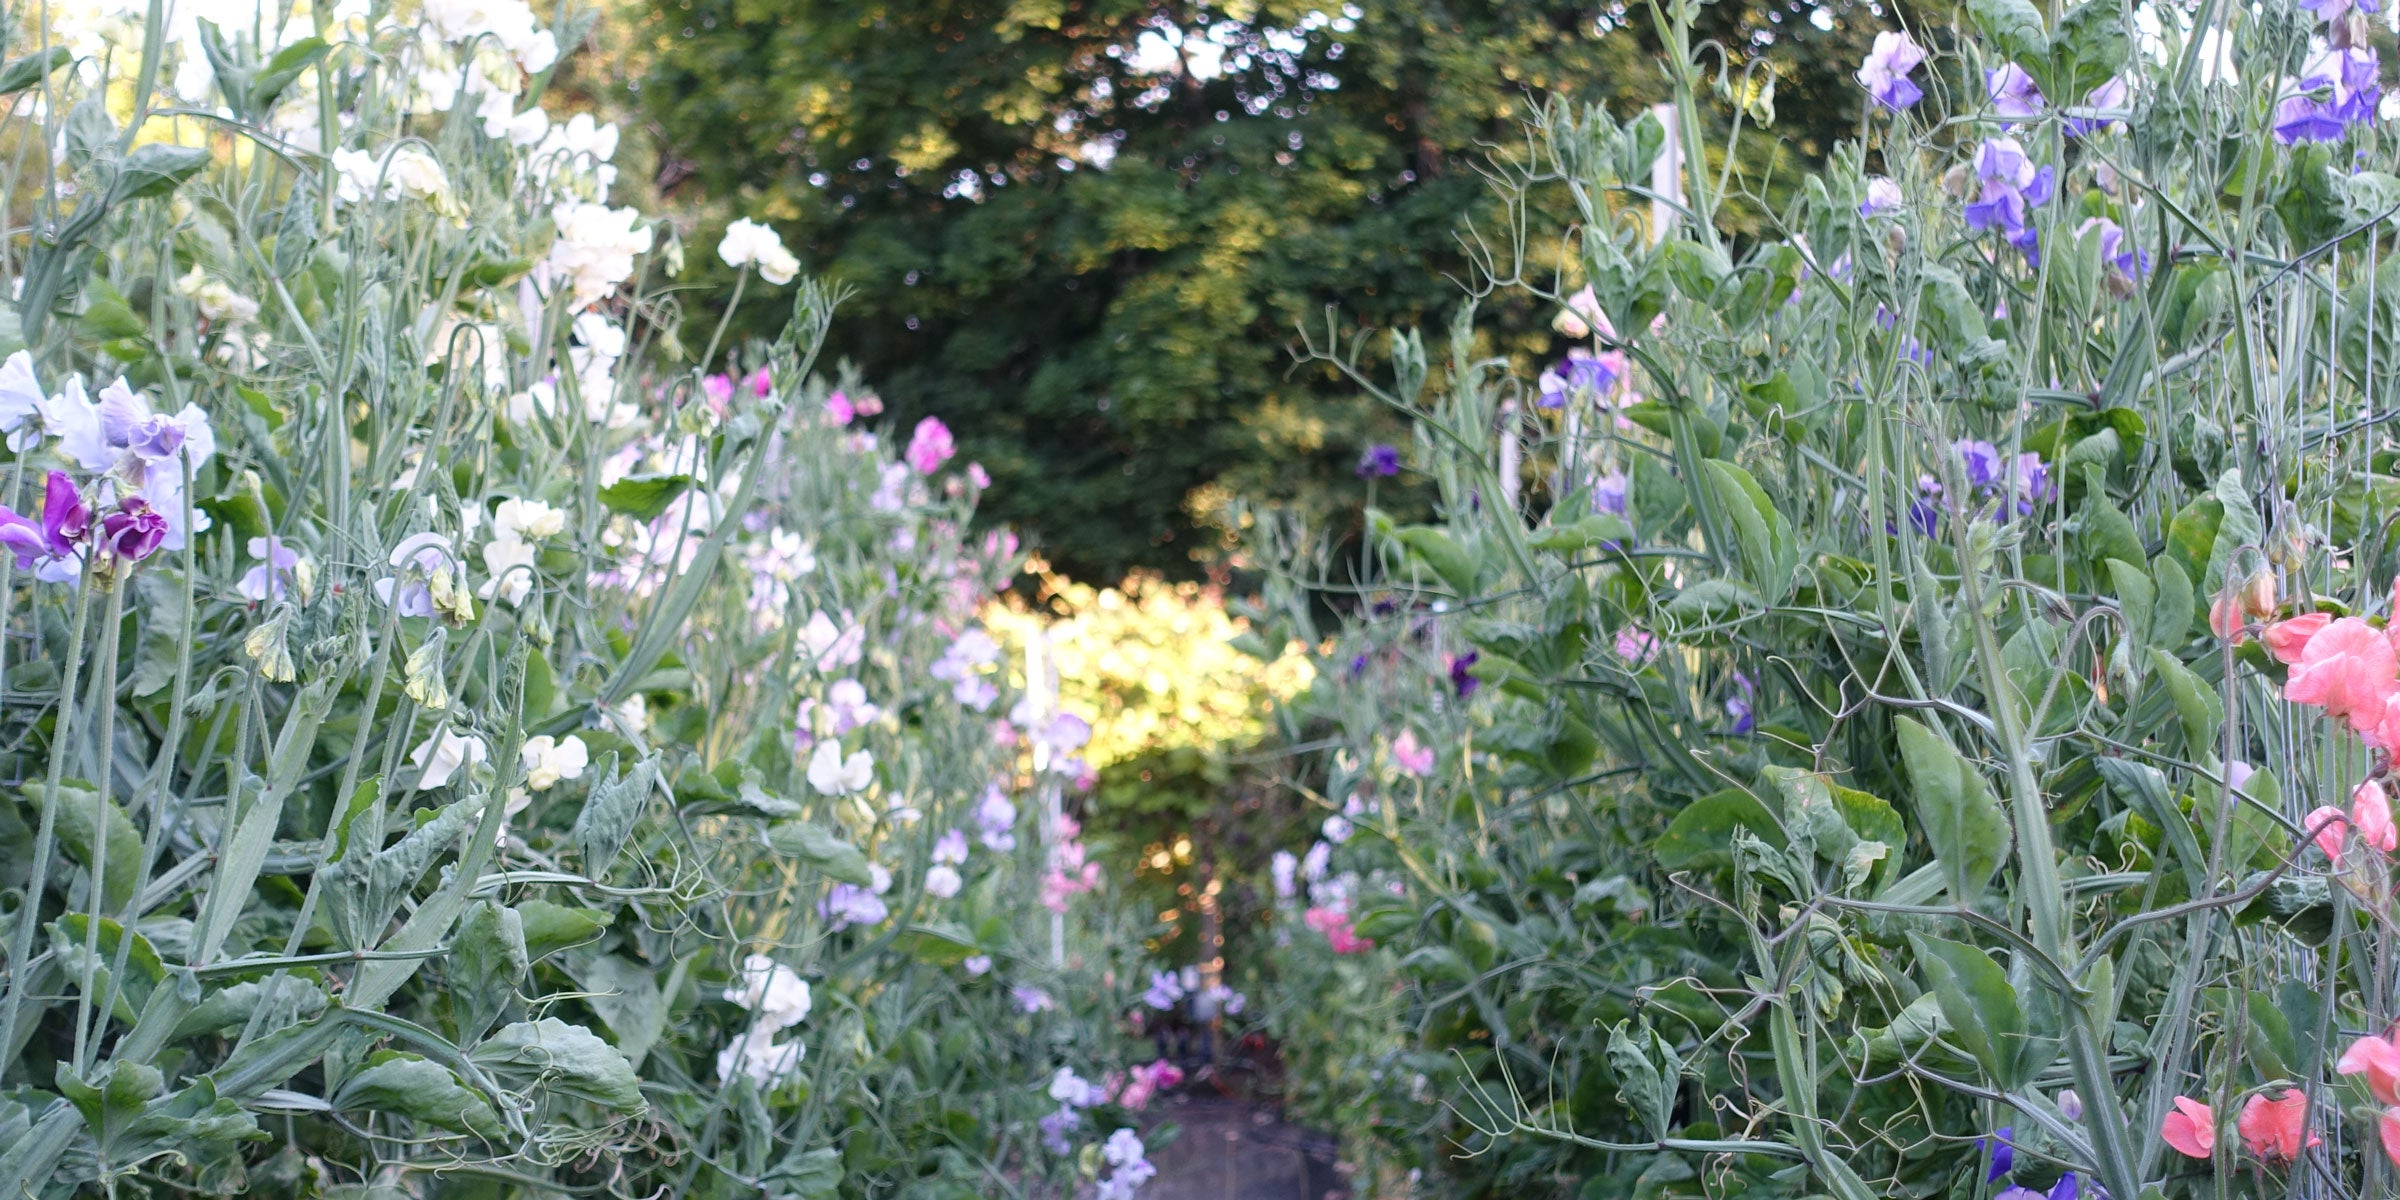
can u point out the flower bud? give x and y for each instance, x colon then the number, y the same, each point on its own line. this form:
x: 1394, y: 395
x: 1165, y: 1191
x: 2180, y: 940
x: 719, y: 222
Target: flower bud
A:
x: 1895, y: 239
x: 2258, y: 594
x: 2225, y: 614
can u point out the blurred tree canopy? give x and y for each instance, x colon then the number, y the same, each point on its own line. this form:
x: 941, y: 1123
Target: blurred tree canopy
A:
x: 1084, y: 231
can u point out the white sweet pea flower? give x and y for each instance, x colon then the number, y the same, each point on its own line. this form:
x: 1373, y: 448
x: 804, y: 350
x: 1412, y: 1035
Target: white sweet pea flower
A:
x: 216, y: 300
x: 528, y: 520
x: 831, y: 646
x: 595, y: 250
x: 510, y: 565
x: 775, y: 992
x: 756, y: 1054
x: 21, y: 401
x: 833, y: 775
x: 942, y: 881
x: 750, y: 244
x: 439, y: 757
x: 549, y: 760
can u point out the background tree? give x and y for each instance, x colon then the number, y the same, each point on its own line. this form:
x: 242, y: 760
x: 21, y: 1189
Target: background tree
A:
x: 1085, y: 230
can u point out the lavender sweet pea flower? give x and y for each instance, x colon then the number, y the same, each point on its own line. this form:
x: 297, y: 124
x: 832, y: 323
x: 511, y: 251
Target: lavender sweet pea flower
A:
x: 2116, y: 249
x: 1885, y: 73
x: 2014, y: 96
x: 1883, y: 196
x: 264, y: 582
x: 2029, y: 482
x: 1739, y: 706
x: 1982, y: 460
x: 2012, y: 187
x: 2110, y: 95
x: 1609, y: 493
x: 134, y: 530
x: 1925, y: 512
x: 2301, y: 119
x: 1379, y: 461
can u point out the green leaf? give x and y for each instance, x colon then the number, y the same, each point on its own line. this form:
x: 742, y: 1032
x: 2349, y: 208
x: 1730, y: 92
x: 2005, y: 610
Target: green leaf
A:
x: 1961, y: 820
x: 487, y: 959
x: 565, y: 1059
x: 626, y: 996
x: 2202, y: 710
x: 2237, y: 526
x: 609, y: 812
x: 1646, y: 1085
x: 27, y: 70
x: 156, y: 169
x: 282, y: 69
x: 1444, y: 556
x: 1598, y: 530
x: 643, y: 497
x: 420, y: 1089
x: 143, y: 970
x: 940, y: 945
x: 1763, y: 537
x: 2137, y: 598
x: 813, y: 844
x: 2014, y: 27
x: 550, y: 928
x: 81, y: 822
x: 1702, y: 834
x: 2091, y: 46
x: 1985, y: 1016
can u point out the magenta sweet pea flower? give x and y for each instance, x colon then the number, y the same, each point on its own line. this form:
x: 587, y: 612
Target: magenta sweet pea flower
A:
x: 1885, y: 73
x: 930, y: 446
x: 134, y: 530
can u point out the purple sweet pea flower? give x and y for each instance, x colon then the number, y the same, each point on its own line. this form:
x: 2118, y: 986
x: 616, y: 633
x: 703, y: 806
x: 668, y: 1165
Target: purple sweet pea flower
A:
x: 2029, y: 482
x: 2110, y: 95
x: 134, y: 530
x: 1608, y: 493
x: 1380, y: 461
x: 1462, y: 678
x: 1885, y: 73
x: 1739, y: 706
x: 2003, y: 1155
x: 1883, y: 196
x: 1982, y: 460
x: 2066, y: 1188
x: 2115, y: 248
x: 2012, y: 187
x: 264, y: 582
x: 1925, y: 512
x: 1358, y: 668
x: 2350, y: 76
x: 2014, y: 96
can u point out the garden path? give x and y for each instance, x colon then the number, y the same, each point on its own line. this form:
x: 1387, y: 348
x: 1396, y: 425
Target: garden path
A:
x: 1240, y: 1150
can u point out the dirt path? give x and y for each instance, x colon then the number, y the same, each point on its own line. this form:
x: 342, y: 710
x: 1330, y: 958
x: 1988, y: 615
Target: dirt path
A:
x: 1240, y: 1150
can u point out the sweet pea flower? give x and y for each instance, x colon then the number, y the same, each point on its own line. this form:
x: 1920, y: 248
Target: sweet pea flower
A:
x: 977, y: 964
x: 1462, y: 677
x: 2288, y: 640
x: 930, y: 446
x: 750, y: 244
x: 1411, y: 758
x: 2003, y: 1152
x: 1885, y: 72
x: 951, y: 848
x: 2191, y: 1129
x: 2377, y: 1058
x: 550, y: 759
x: 1883, y: 197
x: 1582, y: 317
x: 1379, y: 461
x: 439, y: 757
x: 52, y: 546
x: 2387, y: 1129
x: 774, y: 993
x: 833, y: 775
x: 1284, y: 868
x: 2014, y: 96
x: 2273, y: 1127
x: 2346, y: 667
x: 1165, y: 990
x: 942, y: 882
x: 264, y: 582
x: 757, y: 1055
x: 1610, y: 492
x: 2371, y: 814
x: 2109, y: 95
x: 21, y: 401
x: 2330, y: 824
x: 133, y: 531
x: 2012, y: 187
x: 1030, y: 1000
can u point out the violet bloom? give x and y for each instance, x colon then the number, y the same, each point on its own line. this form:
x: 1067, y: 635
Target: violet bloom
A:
x: 1056, y: 1127
x: 52, y: 548
x: 1609, y: 493
x: 2348, y: 81
x: 2003, y: 1155
x: 134, y: 530
x: 1883, y: 196
x: 1925, y: 512
x: 1583, y: 371
x: 2110, y: 95
x: 1462, y: 678
x: 1165, y: 990
x: 1741, y: 705
x: 2014, y: 96
x: 1982, y: 461
x: 1380, y: 461
x: 1885, y: 73
x: 2029, y: 482
x: 2012, y: 187
x: 930, y: 446
x: 264, y: 582
x: 2116, y: 249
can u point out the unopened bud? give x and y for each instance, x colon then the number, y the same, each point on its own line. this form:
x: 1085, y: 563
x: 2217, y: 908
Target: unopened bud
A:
x: 2258, y: 595
x: 1895, y: 239
x: 2225, y: 614
x: 2070, y: 1105
x: 1957, y: 181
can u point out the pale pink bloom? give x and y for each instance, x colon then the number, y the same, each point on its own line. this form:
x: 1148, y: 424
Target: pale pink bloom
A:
x: 2347, y: 668
x: 1412, y: 758
x: 2287, y: 640
x: 2371, y: 812
x: 2378, y: 1059
x: 1335, y: 925
x: 2191, y: 1129
x: 2388, y: 1128
x: 2273, y: 1128
x: 2330, y: 824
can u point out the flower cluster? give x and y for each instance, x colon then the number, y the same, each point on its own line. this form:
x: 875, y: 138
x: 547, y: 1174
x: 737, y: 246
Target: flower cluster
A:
x: 135, y: 460
x: 777, y: 999
x: 2011, y: 187
x: 2337, y: 88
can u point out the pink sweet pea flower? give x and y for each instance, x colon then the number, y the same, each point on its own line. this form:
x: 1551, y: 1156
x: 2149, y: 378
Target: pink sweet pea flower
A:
x: 2288, y: 640
x: 2331, y: 825
x: 1412, y: 758
x: 2371, y: 812
x: 930, y: 446
x: 838, y: 407
x: 2273, y: 1128
x: 2347, y: 668
x: 2388, y: 1128
x: 2191, y: 1129
x: 2378, y: 1059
